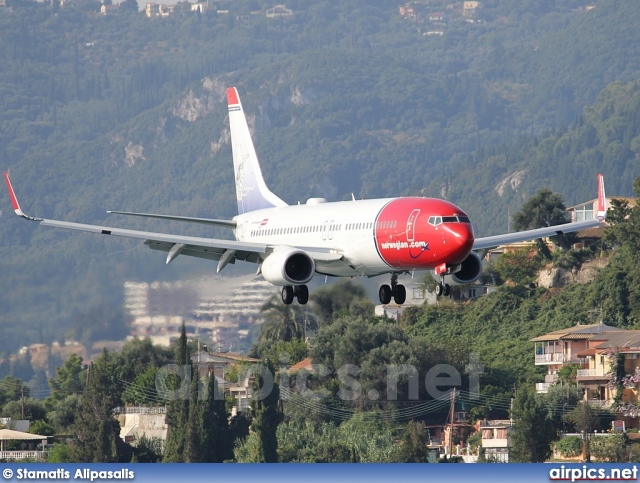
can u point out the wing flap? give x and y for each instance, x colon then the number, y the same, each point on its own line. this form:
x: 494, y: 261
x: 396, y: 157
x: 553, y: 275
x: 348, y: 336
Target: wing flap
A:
x: 208, y: 253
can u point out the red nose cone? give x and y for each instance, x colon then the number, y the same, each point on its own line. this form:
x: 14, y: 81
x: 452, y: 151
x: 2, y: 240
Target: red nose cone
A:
x: 461, y: 240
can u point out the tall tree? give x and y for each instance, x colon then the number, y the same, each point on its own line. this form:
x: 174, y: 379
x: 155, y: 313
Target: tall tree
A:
x: 533, y: 430
x: 543, y: 209
x: 194, y: 445
x: 414, y: 443
x: 267, y: 415
x: 584, y: 419
x: 217, y: 438
x: 97, y: 431
x: 178, y: 408
x: 285, y: 322
x: 69, y: 380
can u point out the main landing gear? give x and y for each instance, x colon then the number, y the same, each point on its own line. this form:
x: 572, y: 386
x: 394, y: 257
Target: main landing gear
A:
x: 301, y: 292
x: 443, y: 288
x: 397, y: 291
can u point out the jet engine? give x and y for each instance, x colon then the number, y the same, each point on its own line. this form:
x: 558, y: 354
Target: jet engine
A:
x: 288, y: 266
x: 468, y: 272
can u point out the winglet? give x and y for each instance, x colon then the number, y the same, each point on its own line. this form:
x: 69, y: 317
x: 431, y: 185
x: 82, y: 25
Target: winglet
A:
x: 14, y: 200
x: 601, y: 214
x: 232, y: 96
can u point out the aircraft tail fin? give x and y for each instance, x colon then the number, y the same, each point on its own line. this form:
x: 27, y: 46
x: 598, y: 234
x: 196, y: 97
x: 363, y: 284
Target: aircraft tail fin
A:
x: 601, y: 213
x: 251, y: 191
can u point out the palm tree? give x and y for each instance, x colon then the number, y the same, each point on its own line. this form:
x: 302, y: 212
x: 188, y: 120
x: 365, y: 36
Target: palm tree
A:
x: 285, y: 322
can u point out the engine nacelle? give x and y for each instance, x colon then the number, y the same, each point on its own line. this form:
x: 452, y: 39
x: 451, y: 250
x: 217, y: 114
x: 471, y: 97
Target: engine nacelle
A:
x: 469, y: 271
x: 288, y: 266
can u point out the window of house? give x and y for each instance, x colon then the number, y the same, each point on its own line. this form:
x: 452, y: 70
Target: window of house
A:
x: 584, y: 213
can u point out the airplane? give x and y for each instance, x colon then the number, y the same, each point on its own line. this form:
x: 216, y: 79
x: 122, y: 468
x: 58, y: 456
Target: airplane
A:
x: 293, y: 243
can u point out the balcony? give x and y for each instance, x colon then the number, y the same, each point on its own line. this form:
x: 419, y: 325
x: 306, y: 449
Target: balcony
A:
x: 555, y: 358
x: 600, y: 403
x: 543, y: 387
x: 591, y: 373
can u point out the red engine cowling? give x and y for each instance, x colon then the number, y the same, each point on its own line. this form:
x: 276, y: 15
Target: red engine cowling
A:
x: 288, y: 266
x: 470, y: 270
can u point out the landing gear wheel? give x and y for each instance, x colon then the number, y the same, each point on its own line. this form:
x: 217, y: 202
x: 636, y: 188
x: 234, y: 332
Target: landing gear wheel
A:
x: 302, y: 294
x: 287, y: 295
x: 399, y: 294
x: 446, y: 290
x: 439, y: 289
x: 385, y: 294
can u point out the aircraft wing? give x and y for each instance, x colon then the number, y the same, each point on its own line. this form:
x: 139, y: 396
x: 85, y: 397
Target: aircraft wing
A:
x: 189, y: 219
x: 225, y: 251
x: 488, y: 242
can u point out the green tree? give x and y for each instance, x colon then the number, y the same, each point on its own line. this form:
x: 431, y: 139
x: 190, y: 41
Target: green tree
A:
x: 69, y: 380
x: 60, y: 453
x: 543, y: 209
x: 285, y: 322
x: 217, y: 438
x: 414, y: 443
x: 12, y: 389
x: 611, y: 448
x: 63, y: 416
x: 329, y: 302
x: 142, y: 391
x: 97, y: 431
x: 267, y: 415
x: 521, y: 266
x: 41, y: 427
x: 178, y: 408
x: 617, y: 215
x: 533, y: 429
x: 584, y: 420
x: 129, y: 5
x: 194, y: 444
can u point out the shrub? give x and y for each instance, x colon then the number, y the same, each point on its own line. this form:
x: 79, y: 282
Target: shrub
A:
x: 569, y: 447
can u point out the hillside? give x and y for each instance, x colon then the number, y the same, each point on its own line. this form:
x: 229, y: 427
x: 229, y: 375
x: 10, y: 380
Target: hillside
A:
x: 125, y: 112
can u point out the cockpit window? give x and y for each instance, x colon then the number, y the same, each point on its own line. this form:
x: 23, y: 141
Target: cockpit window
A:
x: 436, y: 220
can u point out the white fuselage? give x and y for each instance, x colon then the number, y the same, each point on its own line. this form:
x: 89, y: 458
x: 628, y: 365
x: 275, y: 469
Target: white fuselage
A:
x: 344, y: 226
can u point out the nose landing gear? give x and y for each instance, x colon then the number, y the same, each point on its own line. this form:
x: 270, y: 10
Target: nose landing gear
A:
x: 443, y: 288
x: 396, y: 290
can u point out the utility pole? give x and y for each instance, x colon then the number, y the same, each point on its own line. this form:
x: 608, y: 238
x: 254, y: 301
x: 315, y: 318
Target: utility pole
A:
x: 451, y: 411
x: 22, y: 399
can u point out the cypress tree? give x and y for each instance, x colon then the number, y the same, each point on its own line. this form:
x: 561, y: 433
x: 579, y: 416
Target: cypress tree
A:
x: 217, y: 438
x: 267, y: 415
x: 533, y: 430
x: 194, y: 447
x: 178, y: 410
